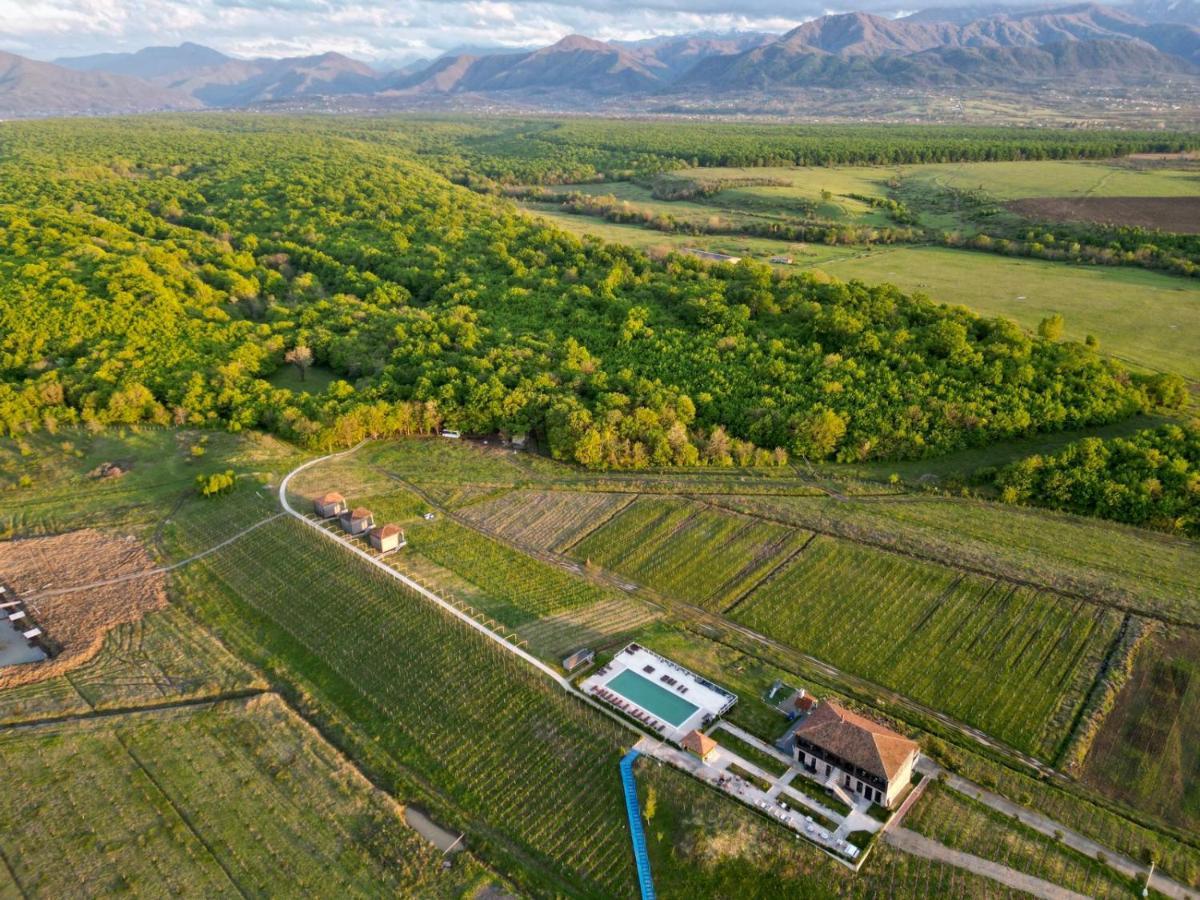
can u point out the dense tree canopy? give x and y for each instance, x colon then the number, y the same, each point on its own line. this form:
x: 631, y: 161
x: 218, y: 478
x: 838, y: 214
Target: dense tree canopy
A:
x: 1150, y: 478
x: 164, y: 269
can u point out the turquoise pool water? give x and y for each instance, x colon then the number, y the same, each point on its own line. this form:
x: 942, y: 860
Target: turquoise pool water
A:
x: 665, y: 704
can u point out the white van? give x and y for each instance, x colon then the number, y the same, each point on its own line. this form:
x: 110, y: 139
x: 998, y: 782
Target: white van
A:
x: 447, y: 433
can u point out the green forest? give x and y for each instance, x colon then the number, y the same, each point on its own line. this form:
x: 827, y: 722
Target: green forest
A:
x: 1150, y: 478
x: 163, y: 270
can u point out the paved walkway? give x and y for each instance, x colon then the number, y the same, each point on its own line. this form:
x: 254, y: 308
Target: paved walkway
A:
x: 919, y: 845
x: 714, y: 773
x: 858, y: 819
x: 1073, y: 839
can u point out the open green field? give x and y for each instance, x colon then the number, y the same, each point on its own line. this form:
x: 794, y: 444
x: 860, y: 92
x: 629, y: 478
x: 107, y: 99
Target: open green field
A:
x: 941, y: 637
x: 965, y: 824
x: 47, y: 485
x: 1149, y: 320
x: 503, y: 753
x: 314, y: 380
x: 1061, y: 178
x: 1146, y: 753
x: 661, y: 242
x: 239, y: 799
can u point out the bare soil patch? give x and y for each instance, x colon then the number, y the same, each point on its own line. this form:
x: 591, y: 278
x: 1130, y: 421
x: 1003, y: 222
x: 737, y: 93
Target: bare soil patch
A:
x: 75, y: 622
x: 1177, y: 214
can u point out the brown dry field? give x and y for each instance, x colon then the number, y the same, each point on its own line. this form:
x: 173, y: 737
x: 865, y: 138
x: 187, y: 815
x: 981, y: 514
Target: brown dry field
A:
x: 76, y: 621
x: 1177, y: 214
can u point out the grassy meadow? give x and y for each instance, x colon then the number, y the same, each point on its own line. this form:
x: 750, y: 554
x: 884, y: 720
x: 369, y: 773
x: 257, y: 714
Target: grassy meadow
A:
x: 1149, y: 320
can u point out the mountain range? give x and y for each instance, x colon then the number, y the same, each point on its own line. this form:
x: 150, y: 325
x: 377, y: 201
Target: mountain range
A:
x: 980, y: 46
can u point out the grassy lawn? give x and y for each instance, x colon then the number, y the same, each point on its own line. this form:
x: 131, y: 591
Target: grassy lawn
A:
x: 1149, y: 320
x: 751, y: 754
x: 47, y: 485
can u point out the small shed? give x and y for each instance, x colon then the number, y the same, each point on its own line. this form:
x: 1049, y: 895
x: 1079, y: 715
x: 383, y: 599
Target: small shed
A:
x: 699, y: 744
x: 387, y: 537
x: 329, y: 505
x: 578, y: 659
x: 357, y: 521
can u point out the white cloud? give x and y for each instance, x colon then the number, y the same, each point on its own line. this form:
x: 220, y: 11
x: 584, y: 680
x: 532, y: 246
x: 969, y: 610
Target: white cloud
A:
x: 372, y: 29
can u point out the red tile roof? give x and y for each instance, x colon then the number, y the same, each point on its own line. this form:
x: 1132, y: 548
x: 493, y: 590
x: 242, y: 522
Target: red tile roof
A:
x: 805, y: 703
x: 360, y: 512
x: 333, y: 497
x: 857, y: 739
x: 699, y: 743
x: 386, y: 531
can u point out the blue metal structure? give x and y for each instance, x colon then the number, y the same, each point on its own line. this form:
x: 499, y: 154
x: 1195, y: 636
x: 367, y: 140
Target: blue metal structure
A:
x: 636, y: 831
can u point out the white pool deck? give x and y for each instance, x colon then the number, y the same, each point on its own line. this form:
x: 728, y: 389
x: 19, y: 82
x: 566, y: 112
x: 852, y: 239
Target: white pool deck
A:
x: 710, y: 700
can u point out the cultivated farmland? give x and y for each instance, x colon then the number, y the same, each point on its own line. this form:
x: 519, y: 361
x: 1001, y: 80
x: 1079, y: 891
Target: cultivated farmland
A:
x: 528, y: 769
x: 242, y: 799
x: 517, y: 588
x: 545, y: 520
x: 941, y: 637
x: 704, y: 556
x: 1146, y: 753
x: 601, y: 624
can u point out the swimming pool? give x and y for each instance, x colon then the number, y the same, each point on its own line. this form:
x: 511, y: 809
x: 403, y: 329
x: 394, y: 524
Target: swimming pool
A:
x: 655, y: 699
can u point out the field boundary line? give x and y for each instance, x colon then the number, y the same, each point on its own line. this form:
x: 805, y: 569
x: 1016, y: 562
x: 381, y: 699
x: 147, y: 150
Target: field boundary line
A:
x: 770, y: 576
x: 186, y: 820
x: 565, y: 549
x: 118, y: 712
x: 12, y: 874
x: 434, y: 598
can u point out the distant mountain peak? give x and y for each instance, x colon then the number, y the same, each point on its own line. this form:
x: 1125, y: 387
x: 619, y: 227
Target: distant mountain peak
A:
x: 579, y: 42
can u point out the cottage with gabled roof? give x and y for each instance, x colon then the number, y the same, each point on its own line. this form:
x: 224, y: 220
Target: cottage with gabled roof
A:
x: 700, y: 744
x: 857, y: 754
x: 357, y: 521
x: 329, y: 505
x: 386, y: 538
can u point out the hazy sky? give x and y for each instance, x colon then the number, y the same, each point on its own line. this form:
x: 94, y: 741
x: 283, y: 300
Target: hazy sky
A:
x: 376, y: 29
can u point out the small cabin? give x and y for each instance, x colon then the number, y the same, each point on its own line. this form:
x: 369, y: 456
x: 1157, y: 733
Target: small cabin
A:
x: 357, y: 521
x: 578, y: 659
x: 387, y: 537
x: 699, y: 744
x: 329, y: 505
